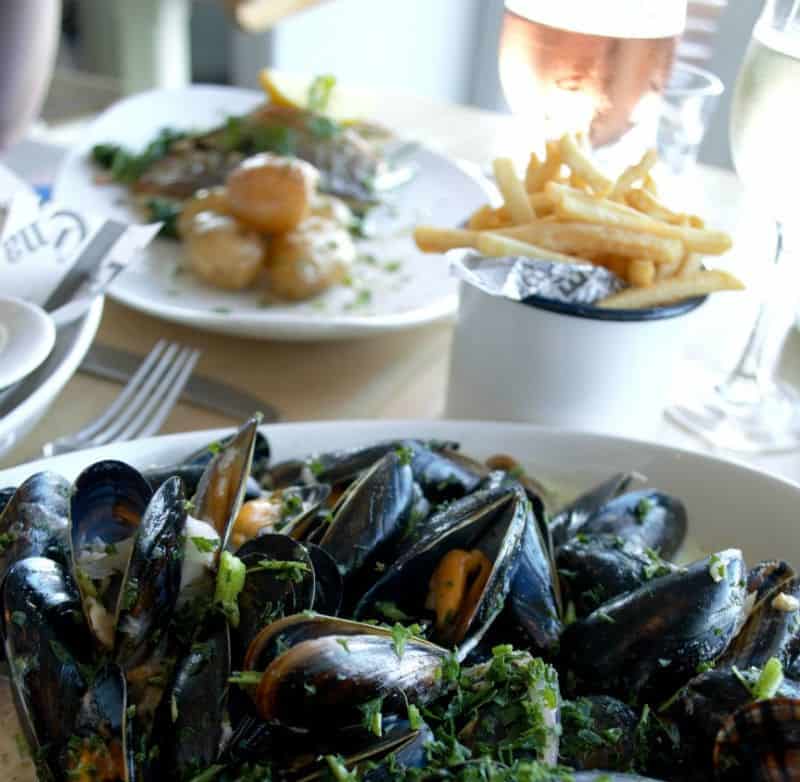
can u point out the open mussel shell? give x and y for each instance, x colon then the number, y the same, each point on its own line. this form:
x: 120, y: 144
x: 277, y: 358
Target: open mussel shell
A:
x: 101, y: 744
x: 221, y: 490
x: 6, y: 493
x: 596, y: 569
x: 772, y: 629
x: 764, y: 577
x: 535, y: 596
x: 188, y: 732
x: 657, y: 635
x: 370, y: 516
x: 648, y: 518
x: 35, y: 520
x: 569, y: 520
x: 293, y: 511
x: 153, y: 578
x: 45, y: 639
x: 269, y: 592
x: 108, y: 501
x: 760, y: 743
x: 318, y: 671
x: 490, y: 523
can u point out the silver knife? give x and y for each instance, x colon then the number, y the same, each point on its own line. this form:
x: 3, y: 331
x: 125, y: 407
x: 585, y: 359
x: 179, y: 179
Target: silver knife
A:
x: 115, y: 364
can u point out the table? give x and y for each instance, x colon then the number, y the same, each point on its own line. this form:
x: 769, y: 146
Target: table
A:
x: 401, y: 375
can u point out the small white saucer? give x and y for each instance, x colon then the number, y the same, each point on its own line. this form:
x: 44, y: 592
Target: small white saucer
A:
x: 27, y: 335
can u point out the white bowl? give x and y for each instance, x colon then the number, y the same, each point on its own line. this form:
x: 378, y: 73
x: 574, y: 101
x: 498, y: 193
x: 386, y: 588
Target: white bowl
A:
x: 729, y: 505
x: 27, y: 335
x: 565, y: 365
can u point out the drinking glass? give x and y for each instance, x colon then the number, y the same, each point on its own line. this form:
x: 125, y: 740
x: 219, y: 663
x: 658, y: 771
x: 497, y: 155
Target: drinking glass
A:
x: 750, y: 410
x: 596, y: 67
x: 29, y: 34
x: 687, y: 105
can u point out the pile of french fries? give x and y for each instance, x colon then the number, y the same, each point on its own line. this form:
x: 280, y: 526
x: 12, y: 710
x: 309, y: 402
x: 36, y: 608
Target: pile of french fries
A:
x: 566, y: 210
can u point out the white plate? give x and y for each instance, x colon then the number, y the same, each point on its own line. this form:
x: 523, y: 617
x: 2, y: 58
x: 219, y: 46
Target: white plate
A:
x: 27, y: 335
x: 419, y: 291
x: 23, y: 405
x: 729, y: 505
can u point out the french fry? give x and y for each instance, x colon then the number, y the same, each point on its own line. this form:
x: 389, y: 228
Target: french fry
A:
x: 541, y: 203
x: 572, y: 204
x: 666, y: 270
x: 646, y: 202
x: 691, y: 264
x: 650, y: 185
x: 641, y: 273
x: 613, y: 262
x: 440, y: 240
x: 536, y: 179
x: 634, y: 173
x: 533, y: 163
x: 487, y: 218
x: 580, y: 164
x: 513, y: 190
x: 495, y: 245
x: 589, y: 241
x: 677, y: 288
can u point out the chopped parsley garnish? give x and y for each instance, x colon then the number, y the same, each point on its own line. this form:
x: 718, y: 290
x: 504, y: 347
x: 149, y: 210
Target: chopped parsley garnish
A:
x: 319, y: 93
x: 283, y: 570
x: 643, y: 508
x: 205, y: 545
x: 373, y: 717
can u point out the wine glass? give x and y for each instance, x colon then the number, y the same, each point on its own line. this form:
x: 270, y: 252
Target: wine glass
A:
x: 751, y: 411
x: 570, y: 66
x: 29, y: 34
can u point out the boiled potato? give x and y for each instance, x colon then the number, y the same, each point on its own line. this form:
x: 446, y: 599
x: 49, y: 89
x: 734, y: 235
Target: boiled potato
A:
x: 306, y: 261
x: 214, y: 199
x: 222, y: 252
x: 271, y: 194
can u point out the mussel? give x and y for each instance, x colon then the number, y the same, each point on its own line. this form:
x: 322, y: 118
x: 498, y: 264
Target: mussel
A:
x: 35, y: 521
x: 459, y: 572
x: 46, y: 640
x: 760, y: 742
x: 108, y: 502
x: 316, y: 672
x: 658, y: 634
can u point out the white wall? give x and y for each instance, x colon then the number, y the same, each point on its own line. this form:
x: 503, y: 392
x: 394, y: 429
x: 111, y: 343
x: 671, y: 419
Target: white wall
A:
x: 420, y: 46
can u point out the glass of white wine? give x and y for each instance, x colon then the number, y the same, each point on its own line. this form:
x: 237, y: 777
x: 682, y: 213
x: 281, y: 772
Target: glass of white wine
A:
x: 751, y: 411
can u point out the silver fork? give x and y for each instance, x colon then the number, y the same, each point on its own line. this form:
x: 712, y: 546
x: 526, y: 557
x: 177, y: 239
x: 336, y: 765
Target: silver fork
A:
x: 143, y: 404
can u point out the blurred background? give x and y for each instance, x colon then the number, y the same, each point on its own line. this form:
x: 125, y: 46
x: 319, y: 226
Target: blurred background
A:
x: 443, y: 49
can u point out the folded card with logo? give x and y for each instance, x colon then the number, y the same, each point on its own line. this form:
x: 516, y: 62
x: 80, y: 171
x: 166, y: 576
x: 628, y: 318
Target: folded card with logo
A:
x: 61, y: 257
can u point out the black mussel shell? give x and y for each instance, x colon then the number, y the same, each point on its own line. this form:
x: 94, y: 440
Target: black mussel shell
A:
x: 188, y: 731
x: 370, y: 517
x: 329, y: 584
x: 702, y: 706
x: 221, y: 490
x: 296, y: 510
x: 535, y: 596
x: 597, y: 732
x: 649, y: 518
x: 657, y: 635
x: 152, y: 581
x: 271, y: 594
x: 318, y: 672
x: 569, y: 520
x: 760, y: 743
x: 772, y: 629
x: 443, y: 474
x: 35, y: 521
x: 766, y: 576
x: 46, y: 639
x: 596, y: 569
x: 493, y: 523
x: 109, y: 499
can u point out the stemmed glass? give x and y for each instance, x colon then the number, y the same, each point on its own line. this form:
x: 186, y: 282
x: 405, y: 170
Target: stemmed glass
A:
x: 750, y: 410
